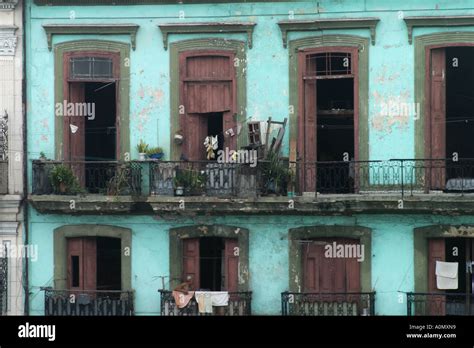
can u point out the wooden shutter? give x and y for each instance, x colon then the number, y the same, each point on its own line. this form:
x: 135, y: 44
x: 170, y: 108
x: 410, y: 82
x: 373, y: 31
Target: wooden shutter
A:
x: 90, y: 263
x: 191, y: 262
x: 312, y: 258
x: 435, y: 305
x: 75, y: 150
x: 74, y: 250
x: 437, y: 142
x: 231, y: 264
x: 207, y: 85
x: 74, y: 142
x: 85, y: 249
x: 329, y: 274
x: 307, y: 125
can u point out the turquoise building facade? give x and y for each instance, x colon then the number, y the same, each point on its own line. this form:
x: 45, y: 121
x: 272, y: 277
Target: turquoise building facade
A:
x: 266, y: 38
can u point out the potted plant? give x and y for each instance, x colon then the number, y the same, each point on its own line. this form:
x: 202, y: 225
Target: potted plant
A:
x: 275, y: 174
x: 188, y: 181
x: 43, y: 157
x: 63, y: 180
x: 155, y: 153
x: 142, y: 148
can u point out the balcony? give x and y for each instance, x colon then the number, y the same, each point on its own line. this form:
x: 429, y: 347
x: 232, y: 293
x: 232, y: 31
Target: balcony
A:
x: 3, y: 284
x: 439, y: 304
x: 266, y: 187
x: 239, y: 305
x: 328, y: 304
x: 87, y: 303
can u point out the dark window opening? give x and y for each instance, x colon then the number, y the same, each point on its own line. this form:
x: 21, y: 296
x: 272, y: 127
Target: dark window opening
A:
x: 100, y: 134
x: 100, y: 131
x: 335, y: 134
x: 459, y: 106
x: 109, y: 264
x: 456, y: 252
x: 91, y: 68
x: 211, y: 259
x: 215, y: 128
x: 75, y: 271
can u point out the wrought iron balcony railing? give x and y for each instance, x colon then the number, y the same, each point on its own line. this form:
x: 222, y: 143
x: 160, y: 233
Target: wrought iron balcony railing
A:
x: 213, y: 179
x: 208, y: 178
x: 240, y: 304
x: 103, y: 177
x: 88, y: 303
x: 328, y: 304
x: 405, y: 176
x: 440, y: 304
x: 3, y: 284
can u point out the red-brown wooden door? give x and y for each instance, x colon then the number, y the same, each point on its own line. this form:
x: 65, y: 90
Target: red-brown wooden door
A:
x: 231, y: 265
x: 207, y: 86
x: 436, y: 136
x: 82, y: 263
x: 435, y: 305
x: 191, y: 262
x: 329, y: 274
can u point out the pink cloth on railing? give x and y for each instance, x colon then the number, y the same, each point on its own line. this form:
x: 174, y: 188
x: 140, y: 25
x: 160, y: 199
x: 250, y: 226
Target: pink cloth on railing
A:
x: 182, y: 299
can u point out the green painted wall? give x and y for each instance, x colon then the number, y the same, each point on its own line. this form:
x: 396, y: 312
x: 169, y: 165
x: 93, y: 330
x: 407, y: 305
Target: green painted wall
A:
x: 392, y: 254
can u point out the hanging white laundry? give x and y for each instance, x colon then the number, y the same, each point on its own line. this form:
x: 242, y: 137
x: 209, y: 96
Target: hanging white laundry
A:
x: 204, y: 300
x: 220, y: 298
x: 446, y: 275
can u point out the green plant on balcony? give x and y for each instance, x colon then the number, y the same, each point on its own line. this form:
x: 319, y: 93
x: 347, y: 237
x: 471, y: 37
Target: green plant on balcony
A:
x: 275, y: 174
x: 155, y: 152
x: 64, y: 181
x: 188, y: 181
x: 119, y: 184
x: 142, y: 148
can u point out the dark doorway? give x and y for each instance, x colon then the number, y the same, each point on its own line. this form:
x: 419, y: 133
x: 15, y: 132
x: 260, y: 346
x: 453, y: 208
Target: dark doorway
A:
x: 459, y: 106
x: 109, y: 264
x: 100, y: 131
x: 215, y: 128
x: 211, y: 252
x: 335, y: 105
x: 327, y: 125
x: 94, y: 263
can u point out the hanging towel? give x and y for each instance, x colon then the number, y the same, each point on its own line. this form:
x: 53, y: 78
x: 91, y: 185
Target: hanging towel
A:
x: 220, y: 298
x: 204, y: 300
x: 446, y: 275
x: 182, y: 299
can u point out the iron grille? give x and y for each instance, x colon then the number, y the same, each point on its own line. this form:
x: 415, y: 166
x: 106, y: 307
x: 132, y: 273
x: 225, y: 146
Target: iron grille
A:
x: 4, y: 283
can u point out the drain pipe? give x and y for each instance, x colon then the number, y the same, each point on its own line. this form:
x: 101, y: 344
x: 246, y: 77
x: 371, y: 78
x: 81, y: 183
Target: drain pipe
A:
x: 24, y: 202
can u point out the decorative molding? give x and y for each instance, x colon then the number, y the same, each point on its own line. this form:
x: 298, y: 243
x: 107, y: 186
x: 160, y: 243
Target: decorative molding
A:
x: 8, y: 4
x: 143, y: 2
x: 8, y: 228
x: 206, y: 28
x: 8, y: 40
x: 438, y: 21
x: 328, y: 23
x: 97, y: 29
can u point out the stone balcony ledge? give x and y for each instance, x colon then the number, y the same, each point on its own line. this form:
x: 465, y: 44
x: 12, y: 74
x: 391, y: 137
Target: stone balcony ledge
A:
x: 327, y: 204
